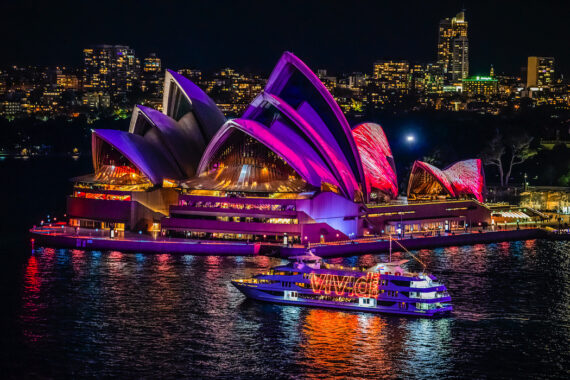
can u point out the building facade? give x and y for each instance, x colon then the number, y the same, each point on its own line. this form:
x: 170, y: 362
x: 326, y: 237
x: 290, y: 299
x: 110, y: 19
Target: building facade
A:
x: 152, y: 75
x: 392, y: 75
x: 478, y: 85
x: 453, y: 47
x: 540, y: 72
x: 110, y: 68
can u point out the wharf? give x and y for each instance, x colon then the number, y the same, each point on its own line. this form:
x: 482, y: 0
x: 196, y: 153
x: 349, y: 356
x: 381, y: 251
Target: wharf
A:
x: 377, y: 245
x: 66, y: 237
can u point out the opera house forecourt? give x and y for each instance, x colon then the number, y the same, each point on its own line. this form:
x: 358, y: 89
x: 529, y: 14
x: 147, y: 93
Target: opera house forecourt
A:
x: 291, y: 169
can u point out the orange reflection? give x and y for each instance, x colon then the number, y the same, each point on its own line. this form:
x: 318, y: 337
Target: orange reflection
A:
x: 262, y: 261
x: 530, y: 243
x: 333, y: 337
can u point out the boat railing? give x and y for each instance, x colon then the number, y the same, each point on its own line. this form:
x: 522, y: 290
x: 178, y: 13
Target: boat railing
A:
x: 248, y: 280
x: 340, y: 267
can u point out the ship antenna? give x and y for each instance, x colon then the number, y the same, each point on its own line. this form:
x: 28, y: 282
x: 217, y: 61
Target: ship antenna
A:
x: 390, y: 236
x: 405, y: 249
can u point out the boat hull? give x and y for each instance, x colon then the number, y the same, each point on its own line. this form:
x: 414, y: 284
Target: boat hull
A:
x: 254, y: 293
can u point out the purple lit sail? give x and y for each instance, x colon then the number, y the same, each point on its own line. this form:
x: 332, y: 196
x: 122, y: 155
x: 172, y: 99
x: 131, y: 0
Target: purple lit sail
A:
x: 293, y: 81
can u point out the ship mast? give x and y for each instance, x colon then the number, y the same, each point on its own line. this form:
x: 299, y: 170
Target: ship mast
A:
x: 405, y: 249
x: 390, y: 236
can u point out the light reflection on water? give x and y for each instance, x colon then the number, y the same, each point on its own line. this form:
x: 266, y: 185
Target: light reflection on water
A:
x: 98, y: 314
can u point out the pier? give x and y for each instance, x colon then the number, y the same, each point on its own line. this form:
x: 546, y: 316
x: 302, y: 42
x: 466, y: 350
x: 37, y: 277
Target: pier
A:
x: 88, y: 239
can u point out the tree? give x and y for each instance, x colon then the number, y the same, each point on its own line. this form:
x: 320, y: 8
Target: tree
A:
x: 520, y: 152
x: 517, y: 147
x: 493, y: 154
x: 434, y: 158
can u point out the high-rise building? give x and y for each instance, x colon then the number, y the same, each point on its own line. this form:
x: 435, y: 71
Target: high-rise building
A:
x: 392, y: 75
x: 151, y: 78
x: 110, y: 68
x: 540, y: 72
x: 453, y: 47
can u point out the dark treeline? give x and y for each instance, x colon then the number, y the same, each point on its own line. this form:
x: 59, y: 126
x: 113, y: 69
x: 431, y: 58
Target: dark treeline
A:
x: 440, y: 138
x: 56, y: 136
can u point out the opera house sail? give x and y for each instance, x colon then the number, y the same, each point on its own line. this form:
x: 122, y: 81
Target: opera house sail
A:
x: 136, y: 172
x: 464, y: 179
x: 290, y: 169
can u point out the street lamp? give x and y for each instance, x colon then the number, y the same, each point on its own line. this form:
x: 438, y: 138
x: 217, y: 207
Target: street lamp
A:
x: 410, y: 138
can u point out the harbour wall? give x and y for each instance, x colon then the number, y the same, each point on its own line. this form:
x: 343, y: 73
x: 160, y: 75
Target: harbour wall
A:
x: 379, y: 246
x: 351, y: 248
x: 150, y: 246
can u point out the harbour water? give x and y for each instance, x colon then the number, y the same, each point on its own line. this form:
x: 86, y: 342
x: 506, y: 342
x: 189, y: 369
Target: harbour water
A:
x: 73, y: 313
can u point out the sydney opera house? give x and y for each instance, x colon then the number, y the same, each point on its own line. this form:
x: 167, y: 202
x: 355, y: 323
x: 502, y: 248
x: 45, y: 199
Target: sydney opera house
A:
x: 290, y: 169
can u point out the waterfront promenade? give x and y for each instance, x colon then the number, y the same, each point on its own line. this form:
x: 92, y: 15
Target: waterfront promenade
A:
x: 60, y: 235
x: 67, y: 237
x: 381, y: 245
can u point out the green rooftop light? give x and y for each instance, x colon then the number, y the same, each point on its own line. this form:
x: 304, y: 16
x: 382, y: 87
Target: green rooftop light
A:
x: 479, y: 79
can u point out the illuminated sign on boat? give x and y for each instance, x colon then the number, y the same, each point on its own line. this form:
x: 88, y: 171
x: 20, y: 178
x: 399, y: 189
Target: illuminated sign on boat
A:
x: 365, y: 286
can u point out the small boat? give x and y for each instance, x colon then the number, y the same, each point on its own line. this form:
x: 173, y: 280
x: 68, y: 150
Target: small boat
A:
x: 384, y: 288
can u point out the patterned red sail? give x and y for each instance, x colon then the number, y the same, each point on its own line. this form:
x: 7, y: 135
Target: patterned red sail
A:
x: 462, y: 179
x: 467, y: 178
x: 377, y: 159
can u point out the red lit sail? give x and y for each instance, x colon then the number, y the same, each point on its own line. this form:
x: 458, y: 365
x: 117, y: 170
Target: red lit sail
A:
x: 462, y: 179
x: 467, y: 178
x: 376, y: 157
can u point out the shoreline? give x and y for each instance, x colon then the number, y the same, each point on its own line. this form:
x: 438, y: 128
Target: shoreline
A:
x: 53, y: 237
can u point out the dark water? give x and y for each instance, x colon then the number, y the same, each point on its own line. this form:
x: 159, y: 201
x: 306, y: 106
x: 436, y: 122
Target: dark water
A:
x: 71, y: 313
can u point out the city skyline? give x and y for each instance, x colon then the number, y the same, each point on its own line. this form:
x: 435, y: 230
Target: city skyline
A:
x: 365, y: 32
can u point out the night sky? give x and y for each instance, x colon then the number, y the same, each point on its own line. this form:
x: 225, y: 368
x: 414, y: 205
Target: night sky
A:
x: 250, y: 35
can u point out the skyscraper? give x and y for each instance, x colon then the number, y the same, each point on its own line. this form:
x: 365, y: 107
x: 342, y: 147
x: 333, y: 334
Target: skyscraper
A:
x: 453, y: 47
x: 151, y: 79
x: 540, y: 72
x: 110, y: 68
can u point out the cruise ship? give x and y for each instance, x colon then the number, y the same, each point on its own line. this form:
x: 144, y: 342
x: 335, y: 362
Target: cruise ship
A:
x: 384, y: 288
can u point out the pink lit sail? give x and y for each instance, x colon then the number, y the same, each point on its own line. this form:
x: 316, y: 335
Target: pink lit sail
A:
x: 462, y: 179
x: 467, y: 178
x: 419, y: 184
x: 376, y: 157
x: 293, y: 81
